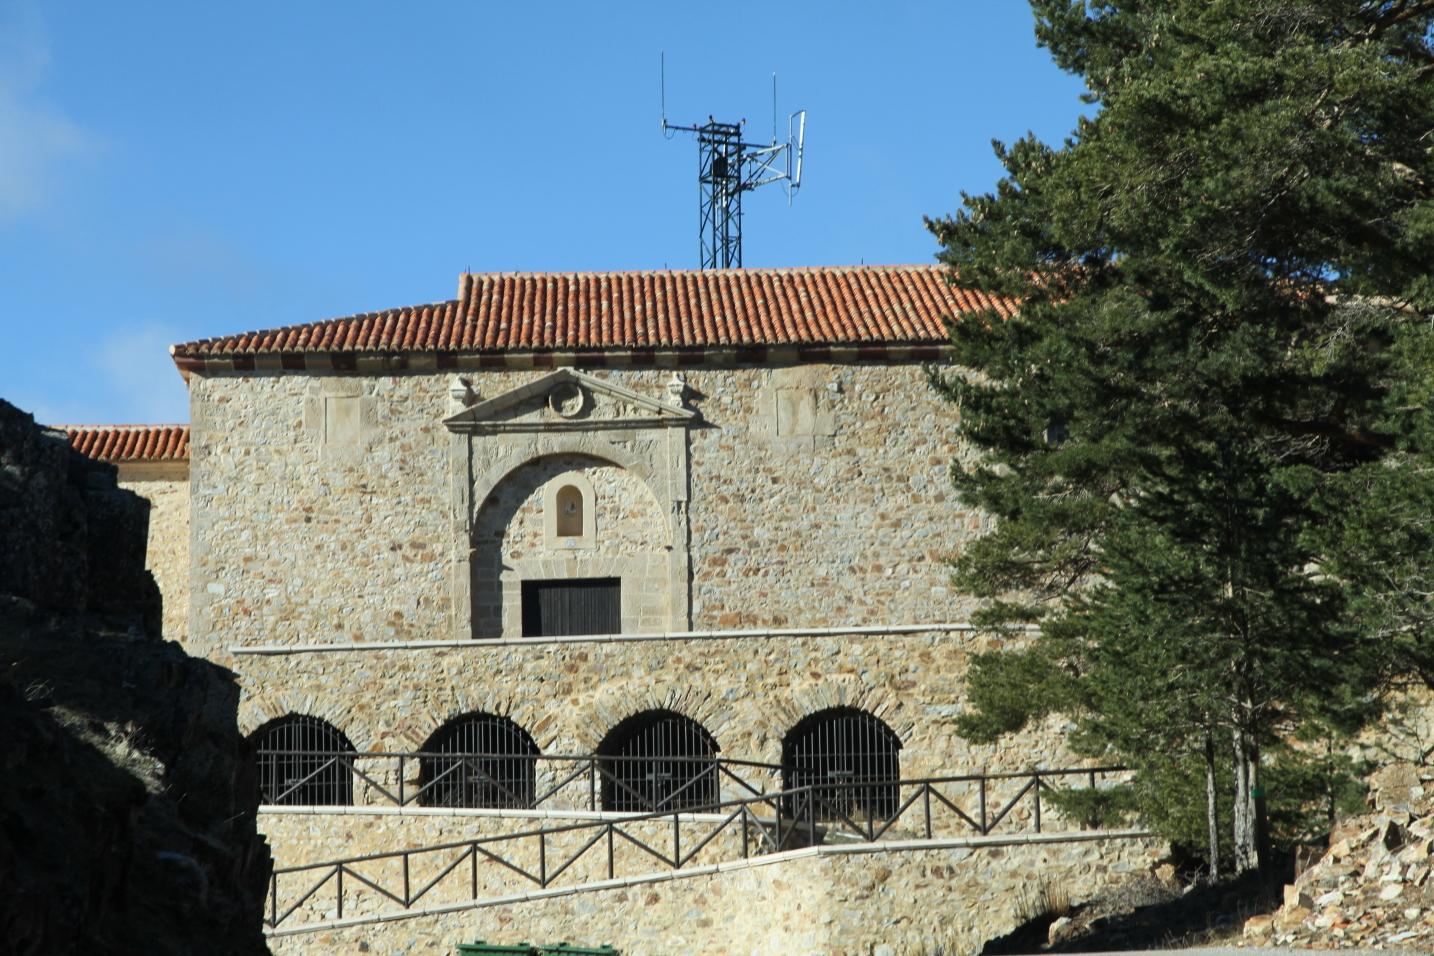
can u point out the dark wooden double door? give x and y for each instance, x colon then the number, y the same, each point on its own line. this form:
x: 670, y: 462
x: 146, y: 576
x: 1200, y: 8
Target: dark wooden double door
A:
x: 578, y: 606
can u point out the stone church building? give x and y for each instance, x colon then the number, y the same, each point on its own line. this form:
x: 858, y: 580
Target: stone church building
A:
x: 605, y: 517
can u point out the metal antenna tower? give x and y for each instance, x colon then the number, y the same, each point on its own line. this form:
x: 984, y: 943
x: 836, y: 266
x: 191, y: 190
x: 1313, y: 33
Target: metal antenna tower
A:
x: 727, y: 167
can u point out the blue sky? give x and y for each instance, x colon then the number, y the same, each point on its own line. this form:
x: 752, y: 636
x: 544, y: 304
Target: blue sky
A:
x: 170, y: 171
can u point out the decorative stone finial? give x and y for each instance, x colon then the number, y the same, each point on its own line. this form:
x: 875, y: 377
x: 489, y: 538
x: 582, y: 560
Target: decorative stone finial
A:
x: 462, y: 392
x: 677, y: 389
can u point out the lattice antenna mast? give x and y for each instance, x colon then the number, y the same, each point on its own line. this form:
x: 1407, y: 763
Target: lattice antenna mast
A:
x: 727, y: 167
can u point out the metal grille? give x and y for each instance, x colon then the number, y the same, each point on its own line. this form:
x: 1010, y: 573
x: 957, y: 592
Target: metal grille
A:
x: 302, y: 762
x: 658, y: 760
x: 491, y: 765
x: 849, y: 757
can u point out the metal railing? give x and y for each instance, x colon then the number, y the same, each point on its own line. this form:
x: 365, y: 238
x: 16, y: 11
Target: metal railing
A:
x: 567, y: 781
x: 754, y: 825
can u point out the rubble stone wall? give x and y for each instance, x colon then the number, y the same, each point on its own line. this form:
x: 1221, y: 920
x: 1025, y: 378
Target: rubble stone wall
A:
x: 324, y: 508
x: 833, y: 904
x: 748, y: 692
x: 166, y: 487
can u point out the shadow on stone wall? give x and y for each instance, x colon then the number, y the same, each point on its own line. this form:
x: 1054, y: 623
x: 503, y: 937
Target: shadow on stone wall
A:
x: 127, y: 799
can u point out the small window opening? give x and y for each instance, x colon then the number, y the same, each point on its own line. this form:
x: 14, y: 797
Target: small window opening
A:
x: 658, y: 760
x: 303, y: 761
x: 478, y: 760
x: 850, y: 760
x: 570, y: 512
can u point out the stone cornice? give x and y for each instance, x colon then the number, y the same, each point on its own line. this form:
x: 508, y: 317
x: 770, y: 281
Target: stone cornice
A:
x: 390, y: 363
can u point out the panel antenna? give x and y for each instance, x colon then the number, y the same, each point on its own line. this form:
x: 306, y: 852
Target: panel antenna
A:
x: 727, y: 167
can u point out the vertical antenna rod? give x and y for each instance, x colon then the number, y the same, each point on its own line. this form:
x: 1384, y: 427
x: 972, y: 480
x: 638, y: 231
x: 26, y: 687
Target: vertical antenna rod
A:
x: 727, y: 167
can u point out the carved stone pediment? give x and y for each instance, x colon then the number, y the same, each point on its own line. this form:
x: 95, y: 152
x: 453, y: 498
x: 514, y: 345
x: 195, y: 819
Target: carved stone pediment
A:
x: 569, y: 400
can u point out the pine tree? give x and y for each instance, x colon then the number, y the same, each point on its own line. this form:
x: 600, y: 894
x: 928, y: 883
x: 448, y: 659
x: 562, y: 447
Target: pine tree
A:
x: 1216, y: 275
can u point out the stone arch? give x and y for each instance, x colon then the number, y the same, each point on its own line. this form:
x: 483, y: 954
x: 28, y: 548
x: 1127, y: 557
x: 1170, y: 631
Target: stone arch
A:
x: 255, y: 710
x: 830, y: 694
x: 616, y: 704
x: 501, y: 467
x: 479, y: 759
x: 512, y: 542
x: 658, y: 759
x: 536, y: 717
x: 842, y: 761
x: 302, y: 760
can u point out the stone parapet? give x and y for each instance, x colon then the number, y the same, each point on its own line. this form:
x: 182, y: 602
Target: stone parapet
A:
x: 834, y: 901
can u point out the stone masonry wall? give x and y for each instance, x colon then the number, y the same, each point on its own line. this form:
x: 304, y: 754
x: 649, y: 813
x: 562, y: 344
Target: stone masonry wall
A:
x: 166, y: 488
x: 324, y: 508
x: 827, y: 904
x: 748, y: 692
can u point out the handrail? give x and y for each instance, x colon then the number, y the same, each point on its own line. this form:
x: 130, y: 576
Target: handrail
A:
x: 594, y: 769
x: 784, y: 819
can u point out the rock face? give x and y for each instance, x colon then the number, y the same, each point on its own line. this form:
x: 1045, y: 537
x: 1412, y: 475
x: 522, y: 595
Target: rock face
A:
x: 127, y: 804
x: 73, y: 540
x: 1371, y: 889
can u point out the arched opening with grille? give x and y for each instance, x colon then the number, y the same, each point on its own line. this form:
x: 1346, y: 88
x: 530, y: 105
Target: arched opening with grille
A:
x: 303, y: 761
x: 658, y: 760
x: 850, y: 758
x: 478, y: 760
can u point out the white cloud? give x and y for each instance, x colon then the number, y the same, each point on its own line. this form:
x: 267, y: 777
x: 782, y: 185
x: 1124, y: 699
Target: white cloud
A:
x: 138, y: 382
x: 36, y: 138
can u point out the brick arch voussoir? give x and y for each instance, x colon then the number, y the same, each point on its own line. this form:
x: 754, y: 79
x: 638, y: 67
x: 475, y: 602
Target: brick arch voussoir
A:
x: 415, y: 730
x: 613, y: 707
x: 256, y: 710
x: 877, y: 701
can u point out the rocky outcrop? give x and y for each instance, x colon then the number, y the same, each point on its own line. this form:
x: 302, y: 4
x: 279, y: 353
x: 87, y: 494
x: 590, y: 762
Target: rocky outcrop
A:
x: 1373, y: 888
x: 74, y: 541
x: 127, y: 804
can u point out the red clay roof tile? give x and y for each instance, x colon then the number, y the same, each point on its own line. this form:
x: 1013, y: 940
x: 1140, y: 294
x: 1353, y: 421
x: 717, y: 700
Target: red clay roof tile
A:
x: 124, y: 443
x: 607, y: 311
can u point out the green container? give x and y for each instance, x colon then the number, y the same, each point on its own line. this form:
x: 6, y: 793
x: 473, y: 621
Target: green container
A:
x: 568, y: 949
x: 481, y: 948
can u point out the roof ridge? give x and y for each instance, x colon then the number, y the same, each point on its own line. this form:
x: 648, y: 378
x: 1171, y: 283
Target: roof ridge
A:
x: 625, y: 310
x: 754, y: 270
x: 118, y: 425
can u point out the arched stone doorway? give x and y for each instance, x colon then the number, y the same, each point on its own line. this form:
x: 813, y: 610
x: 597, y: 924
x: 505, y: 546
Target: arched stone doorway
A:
x: 570, y: 544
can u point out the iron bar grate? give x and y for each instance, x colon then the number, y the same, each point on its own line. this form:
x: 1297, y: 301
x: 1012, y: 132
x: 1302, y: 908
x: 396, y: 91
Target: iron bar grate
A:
x: 658, y: 760
x: 849, y: 758
x: 478, y: 760
x: 303, y: 761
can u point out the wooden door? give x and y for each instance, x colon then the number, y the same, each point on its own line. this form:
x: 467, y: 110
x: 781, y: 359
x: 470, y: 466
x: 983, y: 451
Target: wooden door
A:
x: 580, y: 606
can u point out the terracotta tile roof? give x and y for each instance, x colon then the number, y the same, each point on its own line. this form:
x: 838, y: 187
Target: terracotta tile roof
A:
x: 124, y: 443
x: 620, y: 311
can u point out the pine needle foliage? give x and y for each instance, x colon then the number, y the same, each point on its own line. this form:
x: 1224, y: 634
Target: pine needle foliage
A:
x: 1219, y: 274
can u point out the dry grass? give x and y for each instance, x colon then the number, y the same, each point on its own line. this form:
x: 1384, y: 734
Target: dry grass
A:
x: 1045, y: 899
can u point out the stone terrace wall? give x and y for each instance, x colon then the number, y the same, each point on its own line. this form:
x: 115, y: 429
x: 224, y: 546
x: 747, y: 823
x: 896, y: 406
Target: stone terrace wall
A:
x: 323, y: 507
x: 748, y: 692
x: 166, y: 487
x: 833, y: 904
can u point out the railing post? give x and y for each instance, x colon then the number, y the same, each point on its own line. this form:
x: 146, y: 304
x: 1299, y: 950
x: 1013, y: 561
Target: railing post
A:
x: 1038, y: 801
x: 981, y: 783
x: 611, y: 866
x: 341, y: 891
x: 592, y: 785
x: 273, y: 899
x: 745, y: 852
x: 406, y: 901
x: 402, y: 802
x: 676, y: 841
x: 473, y: 868
x: 543, y: 858
x: 926, y: 799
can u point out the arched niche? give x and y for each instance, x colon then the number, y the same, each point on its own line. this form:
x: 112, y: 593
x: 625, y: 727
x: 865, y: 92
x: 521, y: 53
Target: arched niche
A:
x: 523, y: 570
